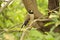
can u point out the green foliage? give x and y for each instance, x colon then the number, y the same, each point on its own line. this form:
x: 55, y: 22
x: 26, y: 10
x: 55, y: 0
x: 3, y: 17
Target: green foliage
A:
x: 36, y: 35
x: 43, y: 6
x: 14, y: 15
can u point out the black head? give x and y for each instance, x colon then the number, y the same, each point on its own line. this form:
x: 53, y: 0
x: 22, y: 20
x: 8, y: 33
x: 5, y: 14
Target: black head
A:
x: 30, y: 12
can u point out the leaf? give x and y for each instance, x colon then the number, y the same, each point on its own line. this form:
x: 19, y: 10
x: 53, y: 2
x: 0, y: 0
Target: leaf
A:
x: 47, y: 24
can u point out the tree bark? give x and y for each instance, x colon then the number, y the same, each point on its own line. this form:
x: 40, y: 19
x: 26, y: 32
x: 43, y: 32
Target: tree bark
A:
x: 53, y: 4
x: 32, y: 5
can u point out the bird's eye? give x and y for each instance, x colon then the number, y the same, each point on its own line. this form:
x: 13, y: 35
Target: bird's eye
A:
x: 30, y: 12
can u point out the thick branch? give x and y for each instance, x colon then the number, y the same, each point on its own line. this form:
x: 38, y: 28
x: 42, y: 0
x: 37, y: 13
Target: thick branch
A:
x: 31, y: 5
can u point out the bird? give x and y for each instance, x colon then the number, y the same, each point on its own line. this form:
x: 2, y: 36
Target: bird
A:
x: 30, y: 17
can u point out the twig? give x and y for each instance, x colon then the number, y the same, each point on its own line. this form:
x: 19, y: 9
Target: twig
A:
x: 54, y: 9
x: 15, y: 25
x: 9, y: 30
x: 30, y: 26
x: 2, y: 8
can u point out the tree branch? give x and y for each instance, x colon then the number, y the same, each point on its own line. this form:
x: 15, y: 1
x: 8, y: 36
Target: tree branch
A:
x: 30, y: 26
x: 2, y: 8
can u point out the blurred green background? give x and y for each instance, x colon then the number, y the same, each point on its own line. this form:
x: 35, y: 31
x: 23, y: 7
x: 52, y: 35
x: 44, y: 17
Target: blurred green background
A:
x: 13, y: 17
